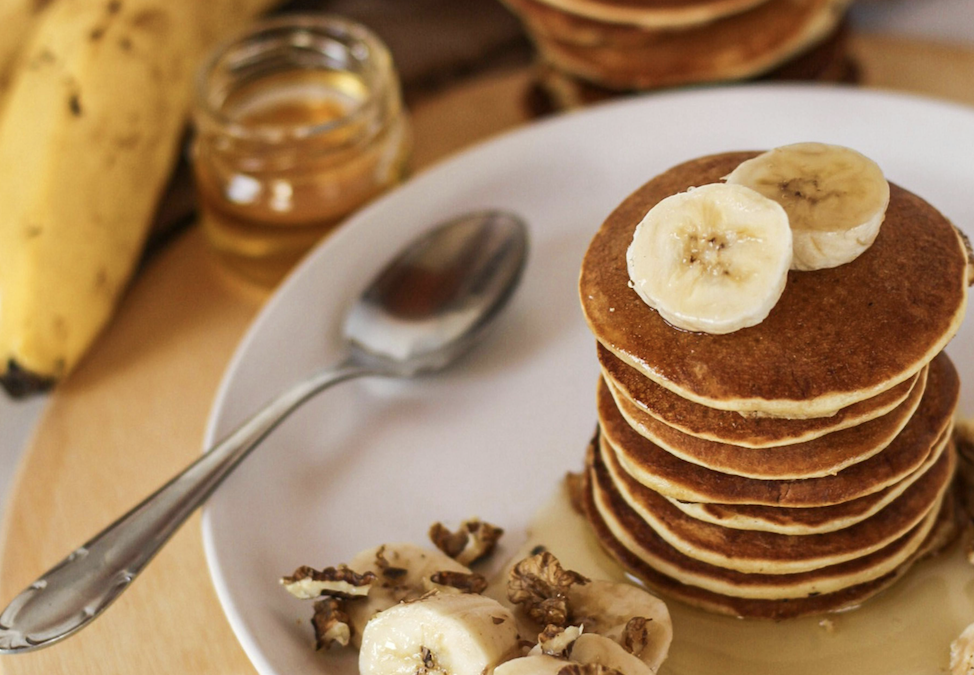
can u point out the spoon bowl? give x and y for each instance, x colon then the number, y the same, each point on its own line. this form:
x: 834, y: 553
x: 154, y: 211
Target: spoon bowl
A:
x: 431, y: 303
x: 435, y: 299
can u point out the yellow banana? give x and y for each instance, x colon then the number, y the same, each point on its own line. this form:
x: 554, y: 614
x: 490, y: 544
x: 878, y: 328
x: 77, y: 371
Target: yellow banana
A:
x: 90, y: 130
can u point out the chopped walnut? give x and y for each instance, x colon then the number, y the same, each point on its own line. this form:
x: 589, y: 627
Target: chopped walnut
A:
x: 308, y: 583
x: 540, y: 584
x: 558, y: 641
x: 575, y: 484
x: 635, y: 636
x: 474, y: 541
x: 387, y: 570
x: 429, y: 663
x: 587, y: 669
x: 451, y: 582
x: 331, y: 623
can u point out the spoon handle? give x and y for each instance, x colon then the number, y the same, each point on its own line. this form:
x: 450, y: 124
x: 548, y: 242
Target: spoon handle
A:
x: 81, y: 586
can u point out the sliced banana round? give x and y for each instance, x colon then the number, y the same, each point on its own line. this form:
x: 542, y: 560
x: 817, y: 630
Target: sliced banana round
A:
x: 440, y: 634
x: 587, y: 649
x: 591, y: 648
x: 714, y: 258
x: 625, y: 614
x: 533, y: 664
x: 835, y: 197
x: 403, y: 572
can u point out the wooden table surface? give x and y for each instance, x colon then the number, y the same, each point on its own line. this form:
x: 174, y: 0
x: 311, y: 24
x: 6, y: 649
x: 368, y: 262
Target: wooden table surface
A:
x: 134, y: 413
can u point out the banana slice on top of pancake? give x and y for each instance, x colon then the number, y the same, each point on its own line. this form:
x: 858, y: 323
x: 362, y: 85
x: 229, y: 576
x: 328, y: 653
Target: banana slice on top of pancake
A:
x: 714, y: 258
x: 835, y: 197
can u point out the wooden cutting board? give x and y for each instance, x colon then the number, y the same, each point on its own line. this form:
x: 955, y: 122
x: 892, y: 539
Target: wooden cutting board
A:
x: 134, y: 413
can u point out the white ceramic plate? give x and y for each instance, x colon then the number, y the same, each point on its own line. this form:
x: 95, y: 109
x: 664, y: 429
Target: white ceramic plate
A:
x: 373, y: 462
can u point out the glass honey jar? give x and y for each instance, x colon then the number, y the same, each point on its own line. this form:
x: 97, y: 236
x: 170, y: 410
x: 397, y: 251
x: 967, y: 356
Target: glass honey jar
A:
x: 298, y: 123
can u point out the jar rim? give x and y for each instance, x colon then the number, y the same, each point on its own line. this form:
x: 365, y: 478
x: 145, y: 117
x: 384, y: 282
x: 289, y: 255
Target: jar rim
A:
x: 361, y: 41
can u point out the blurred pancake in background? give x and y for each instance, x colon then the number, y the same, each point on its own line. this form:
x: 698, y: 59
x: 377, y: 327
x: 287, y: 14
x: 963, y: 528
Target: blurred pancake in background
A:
x: 589, y: 50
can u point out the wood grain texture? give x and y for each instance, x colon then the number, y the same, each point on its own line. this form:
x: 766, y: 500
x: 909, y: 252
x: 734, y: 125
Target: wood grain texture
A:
x: 134, y: 412
x: 940, y: 70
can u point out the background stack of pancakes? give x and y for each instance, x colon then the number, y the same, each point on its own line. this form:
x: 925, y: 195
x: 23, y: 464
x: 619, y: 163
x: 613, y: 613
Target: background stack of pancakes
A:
x: 591, y: 48
x: 794, y: 467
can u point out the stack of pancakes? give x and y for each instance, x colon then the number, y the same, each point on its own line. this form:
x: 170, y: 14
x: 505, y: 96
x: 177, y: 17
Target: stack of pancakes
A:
x: 624, y: 45
x: 794, y: 467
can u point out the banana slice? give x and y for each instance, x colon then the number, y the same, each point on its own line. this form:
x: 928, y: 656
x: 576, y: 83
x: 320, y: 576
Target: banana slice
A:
x: 403, y: 571
x: 636, y: 621
x: 591, y: 648
x: 626, y: 615
x: 447, y: 634
x: 533, y: 664
x: 835, y: 197
x: 714, y: 258
x: 587, y: 649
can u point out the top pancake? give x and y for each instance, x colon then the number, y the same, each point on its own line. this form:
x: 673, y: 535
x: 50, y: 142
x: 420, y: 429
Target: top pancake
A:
x: 818, y: 350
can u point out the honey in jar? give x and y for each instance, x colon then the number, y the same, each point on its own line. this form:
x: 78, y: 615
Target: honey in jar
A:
x: 298, y: 123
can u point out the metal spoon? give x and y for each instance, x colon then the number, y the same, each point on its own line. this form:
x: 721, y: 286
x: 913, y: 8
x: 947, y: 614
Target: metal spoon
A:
x: 429, y: 306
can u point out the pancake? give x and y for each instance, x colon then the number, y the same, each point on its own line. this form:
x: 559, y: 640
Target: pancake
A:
x: 688, y: 482
x: 757, y: 552
x: 630, y: 530
x: 653, y: 13
x: 823, y: 456
x: 816, y: 351
x: 725, y: 426
x: 630, y: 56
x: 813, y: 520
x: 944, y: 530
x: 827, y: 61
x: 927, y: 431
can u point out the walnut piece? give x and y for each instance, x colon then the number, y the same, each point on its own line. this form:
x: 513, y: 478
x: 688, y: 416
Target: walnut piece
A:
x: 635, y: 636
x: 386, y: 569
x: 540, y: 584
x: 474, y: 541
x: 588, y: 669
x: 558, y: 641
x: 308, y: 583
x: 331, y: 623
x: 452, y: 582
